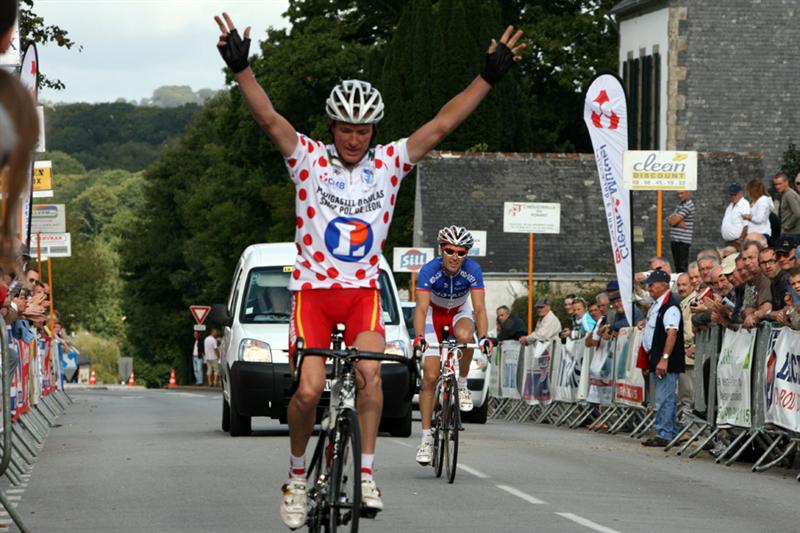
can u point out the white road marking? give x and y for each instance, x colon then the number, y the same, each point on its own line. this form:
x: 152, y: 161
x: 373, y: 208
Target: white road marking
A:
x: 190, y: 394
x: 14, y: 498
x: 14, y: 491
x: 401, y: 443
x: 470, y: 470
x: 519, y: 494
x: 587, y: 523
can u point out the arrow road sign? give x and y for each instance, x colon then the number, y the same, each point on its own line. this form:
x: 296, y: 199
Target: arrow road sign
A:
x: 200, y: 312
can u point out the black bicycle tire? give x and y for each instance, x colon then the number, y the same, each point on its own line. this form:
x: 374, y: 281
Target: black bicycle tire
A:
x: 349, y: 434
x: 438, y: 449
x: 452, y: 422
x: 316, y: 518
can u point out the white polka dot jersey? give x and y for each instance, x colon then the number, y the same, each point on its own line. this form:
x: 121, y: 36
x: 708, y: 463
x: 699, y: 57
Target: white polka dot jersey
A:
x: 343, y: 215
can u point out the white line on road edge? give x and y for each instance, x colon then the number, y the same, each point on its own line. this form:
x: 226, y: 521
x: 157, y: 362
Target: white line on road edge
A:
x: 470, y: 470
x: 14, y: 491
x: 401, y: 443
x: 588, y: 523
x: 519, y: 494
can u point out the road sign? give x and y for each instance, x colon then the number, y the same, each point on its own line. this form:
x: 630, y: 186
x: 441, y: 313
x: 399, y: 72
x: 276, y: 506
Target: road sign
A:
x: 200, y: 312
x: 659, y: 170
x: 53, y: 245
x: 528, y: 217
x: 48, y: 218
x: 411, y: 259
x: 199, y: 327
x: 42, y: 179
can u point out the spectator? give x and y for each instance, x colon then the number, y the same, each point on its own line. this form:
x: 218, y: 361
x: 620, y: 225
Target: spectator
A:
x: 789, y: 315
x: 569, y: 308
x: 789, y: 211
x: 598, y: 311
x: 197, y: 358
x: 211, y: 356
x: 704, y: 264
x: 664, y: 344
x: 734, y: 226
x: 786, y: 252
x: 685, y: 380
x: 612, y: 287
x: 654, y: 263
x: 779, y: 280
x: 694, y: 275
x: 621, y: 320
x: 758, y: 294
x: 760, y: 208
x: 547, y: 327
x: 584, y: 319
x: 511, y: 326
x: 681, y: 223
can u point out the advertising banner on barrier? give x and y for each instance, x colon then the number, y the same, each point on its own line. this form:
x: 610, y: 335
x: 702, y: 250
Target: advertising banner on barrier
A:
x: 583, y: 363
x: 536, y: 384
x: 494, y: 373
x: 629, y: 379
x: 733, y: 378
x: 566, y: 372
x: 782, y: 381
x: 601, y: 373
x: 510, y: 366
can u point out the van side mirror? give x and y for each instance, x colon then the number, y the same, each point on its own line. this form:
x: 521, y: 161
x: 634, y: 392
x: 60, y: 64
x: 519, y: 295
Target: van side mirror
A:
x: 219, y: 315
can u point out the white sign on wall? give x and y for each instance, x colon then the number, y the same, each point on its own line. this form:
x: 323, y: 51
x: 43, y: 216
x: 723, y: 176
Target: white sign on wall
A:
x: 48, y: 218
x: 53, y: 245
x: 479, y: 247
x: 411, y: 259
x: 529, y: 217
x: 659, y: 170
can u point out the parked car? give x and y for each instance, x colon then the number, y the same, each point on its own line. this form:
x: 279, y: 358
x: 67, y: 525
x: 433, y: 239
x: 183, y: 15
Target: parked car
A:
x: 255, y: 354
x: 477, y: 379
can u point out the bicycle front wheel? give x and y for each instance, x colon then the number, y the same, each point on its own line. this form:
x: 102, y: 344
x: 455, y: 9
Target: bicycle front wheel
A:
x: 438, y: 425
x: 451, y: 414
x: 345, y: 481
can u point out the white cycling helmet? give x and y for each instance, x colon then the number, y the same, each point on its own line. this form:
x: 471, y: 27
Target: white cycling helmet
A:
x: 457, y: 236
x: 355, y: 102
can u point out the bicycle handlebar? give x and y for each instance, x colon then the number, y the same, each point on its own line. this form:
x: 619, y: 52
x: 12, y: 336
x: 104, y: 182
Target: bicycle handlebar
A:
x: 350, y: 354
x: 462, y: 346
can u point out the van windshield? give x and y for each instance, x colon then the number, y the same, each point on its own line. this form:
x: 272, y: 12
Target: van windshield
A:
x: 267, y: 299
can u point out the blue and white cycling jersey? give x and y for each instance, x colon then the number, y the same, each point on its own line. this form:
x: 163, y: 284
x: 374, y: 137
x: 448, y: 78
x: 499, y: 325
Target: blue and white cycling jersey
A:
x: 449, y: 292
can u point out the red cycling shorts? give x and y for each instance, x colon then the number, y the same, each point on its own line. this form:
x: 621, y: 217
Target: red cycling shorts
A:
x: 315, y: 313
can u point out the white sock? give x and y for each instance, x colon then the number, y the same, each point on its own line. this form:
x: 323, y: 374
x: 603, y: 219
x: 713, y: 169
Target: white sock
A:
x: 462, y: 383
x: 297, y: 467
x: 367, y: 459
x: 426, y: 435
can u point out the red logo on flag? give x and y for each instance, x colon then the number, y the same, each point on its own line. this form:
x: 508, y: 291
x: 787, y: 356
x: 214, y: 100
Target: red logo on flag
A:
x: 200, y: 312
x: 601, y: 106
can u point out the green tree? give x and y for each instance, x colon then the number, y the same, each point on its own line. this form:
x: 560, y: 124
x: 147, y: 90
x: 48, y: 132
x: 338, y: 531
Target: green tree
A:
x: 33, y: 29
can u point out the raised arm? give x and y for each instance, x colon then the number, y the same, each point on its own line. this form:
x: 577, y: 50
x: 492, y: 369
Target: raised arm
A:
x: 234, y: 50
x: 499, y: 59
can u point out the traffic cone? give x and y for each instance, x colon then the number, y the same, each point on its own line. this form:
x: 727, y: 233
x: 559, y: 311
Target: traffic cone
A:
x: 93, y: 378
x: 172, y: 382
x: 131, y: 380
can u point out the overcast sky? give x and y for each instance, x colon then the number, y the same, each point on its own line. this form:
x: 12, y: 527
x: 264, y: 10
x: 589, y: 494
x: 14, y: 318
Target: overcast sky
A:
x: 131, y: 47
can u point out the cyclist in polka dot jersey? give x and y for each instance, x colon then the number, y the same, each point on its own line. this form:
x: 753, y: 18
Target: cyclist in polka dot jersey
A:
x: 345, y: 197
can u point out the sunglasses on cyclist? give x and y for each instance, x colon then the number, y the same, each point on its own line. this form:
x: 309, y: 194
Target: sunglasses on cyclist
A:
x: 451, y: 252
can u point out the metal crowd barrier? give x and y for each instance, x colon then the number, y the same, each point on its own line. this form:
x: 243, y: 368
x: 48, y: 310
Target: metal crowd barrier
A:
x: 28, y: 413
x: 566, y: 380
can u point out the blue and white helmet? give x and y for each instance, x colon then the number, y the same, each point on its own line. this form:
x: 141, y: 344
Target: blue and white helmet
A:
x: 456, y: 236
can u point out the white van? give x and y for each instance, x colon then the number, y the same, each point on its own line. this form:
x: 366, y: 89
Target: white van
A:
x: 255, y: 346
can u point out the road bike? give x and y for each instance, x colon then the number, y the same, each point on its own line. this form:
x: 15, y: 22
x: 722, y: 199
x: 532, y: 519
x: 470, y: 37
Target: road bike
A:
x: 446, y: 419
x: 334, y: 474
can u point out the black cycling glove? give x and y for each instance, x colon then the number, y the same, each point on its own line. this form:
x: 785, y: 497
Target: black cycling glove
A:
x: 235, y: 52
x: 497, y: 64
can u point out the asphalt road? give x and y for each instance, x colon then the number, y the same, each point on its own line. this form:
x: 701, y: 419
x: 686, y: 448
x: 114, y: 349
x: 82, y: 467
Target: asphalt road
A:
x: 140, y: 460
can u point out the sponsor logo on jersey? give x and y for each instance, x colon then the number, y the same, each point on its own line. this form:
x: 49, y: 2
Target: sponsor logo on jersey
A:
x: 348, y: 238
x: 368, y: 176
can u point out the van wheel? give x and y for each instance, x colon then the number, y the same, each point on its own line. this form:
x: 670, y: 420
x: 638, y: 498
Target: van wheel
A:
x: 226, y: 416
x: 400, y: 427
x: 478, y: 415
x: 240, y: 425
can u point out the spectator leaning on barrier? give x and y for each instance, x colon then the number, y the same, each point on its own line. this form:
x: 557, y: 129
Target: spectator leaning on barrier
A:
x: 663, y: 343
x: 211, y: 356
x: 511, y: 326
x: 786, y: 252
x: 694, y: 275
x: 789, y: 211
x: 599, y: 312
x: 585, y: 320
x: 704, y: 265
x: 779, y: 280
x: 790, y: 315
x: 681, y: 223
x: 758, y: 292
x: 547, y: 327
x: 734, y: 226
x: 197, y: 358
x: 569, y: 308
x: 685, y: 383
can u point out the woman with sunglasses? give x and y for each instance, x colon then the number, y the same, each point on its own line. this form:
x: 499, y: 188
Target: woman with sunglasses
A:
x: 450, y: 293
